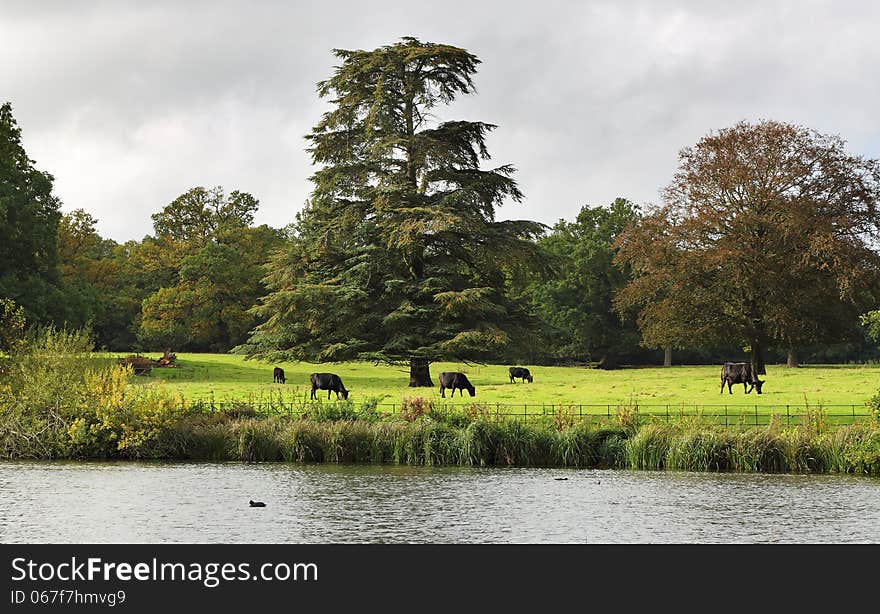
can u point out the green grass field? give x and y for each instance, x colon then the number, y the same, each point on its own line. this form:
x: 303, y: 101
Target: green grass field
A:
x: 222, y: 378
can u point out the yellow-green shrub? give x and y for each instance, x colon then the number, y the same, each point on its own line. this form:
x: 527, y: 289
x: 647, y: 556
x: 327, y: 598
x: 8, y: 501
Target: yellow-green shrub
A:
x: 114, y: 417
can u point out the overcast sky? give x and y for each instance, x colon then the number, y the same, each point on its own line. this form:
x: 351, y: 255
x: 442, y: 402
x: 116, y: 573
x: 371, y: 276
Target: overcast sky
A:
x: 131, y: 104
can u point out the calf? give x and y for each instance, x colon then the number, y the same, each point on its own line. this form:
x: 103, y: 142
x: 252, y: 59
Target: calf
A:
x: 278, y: 375
x: 520, y: 372
x: 329, y: 382
x: 739, y: 373
x: 453, y: 380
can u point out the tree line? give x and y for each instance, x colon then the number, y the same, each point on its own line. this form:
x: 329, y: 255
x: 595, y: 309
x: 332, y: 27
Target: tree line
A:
x: 765, y: 244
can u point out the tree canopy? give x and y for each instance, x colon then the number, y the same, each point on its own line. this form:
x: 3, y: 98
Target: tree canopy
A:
x: 29, y: 216
x: 397, y: 255
x: 575, y: 302
x: 768, y: 235
x: 206, y: 271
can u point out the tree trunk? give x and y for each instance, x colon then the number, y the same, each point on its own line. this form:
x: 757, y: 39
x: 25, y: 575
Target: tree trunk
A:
x: 608, y: 362
x: 792, y: 361
x: 667, y: 356
x: 758, y: 358
x: 420, y: 373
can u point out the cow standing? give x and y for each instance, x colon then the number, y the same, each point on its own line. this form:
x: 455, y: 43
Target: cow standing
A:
x: 455, y: 380
x: 739, y: 373
x: 329, y: 382
x: 278, y: 375
x: 522, y: 373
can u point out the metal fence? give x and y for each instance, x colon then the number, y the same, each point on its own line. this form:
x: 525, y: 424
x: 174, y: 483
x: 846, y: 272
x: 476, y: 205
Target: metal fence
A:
x: 727, y: 414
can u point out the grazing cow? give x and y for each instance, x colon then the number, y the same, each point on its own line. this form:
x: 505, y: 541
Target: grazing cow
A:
x: 739, y: 373
x: 521, y: 372
x: 278, y: 375
x: 329, y: 382
x: 453, y: 380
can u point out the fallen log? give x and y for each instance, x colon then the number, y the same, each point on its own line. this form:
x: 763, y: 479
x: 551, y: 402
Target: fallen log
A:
x: 140, y: 365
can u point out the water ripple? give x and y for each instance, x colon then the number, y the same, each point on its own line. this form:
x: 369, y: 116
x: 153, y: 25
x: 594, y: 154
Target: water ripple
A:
x: 130, y: 502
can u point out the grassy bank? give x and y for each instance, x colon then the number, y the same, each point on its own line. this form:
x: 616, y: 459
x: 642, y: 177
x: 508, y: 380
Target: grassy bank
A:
x: 687, y: 445
x: 58, y: 399
x: 225, y: 378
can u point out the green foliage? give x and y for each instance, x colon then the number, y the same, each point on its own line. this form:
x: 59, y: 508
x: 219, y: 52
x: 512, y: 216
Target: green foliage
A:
x: 518, y: 444
x: 700, y: 447
x: 476, y: 443
x: 854, y: 449
x: 687, y: 445
x: 12, y: 325
x: 91, y: 274
x: 576, y: 301
x: 201, y: 302
x: 200, y: 215
x: 59, y: 399
x: 258, y: 440
x: 115, y: 420
x: 29, y: 215
x: 648, y: 448
x: 758, y: 450
x: 572, y: 446
x: 331, y: 412
x: 871, y: 322
x: 398, y: 254
x: 585, y: 444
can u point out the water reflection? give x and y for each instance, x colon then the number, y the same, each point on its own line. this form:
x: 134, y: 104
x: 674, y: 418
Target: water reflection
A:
x: 205, y: 502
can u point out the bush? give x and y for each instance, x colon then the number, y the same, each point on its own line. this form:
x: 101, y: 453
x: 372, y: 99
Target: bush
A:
x: 40, y: 392
x: 873, y: 405
x: 413, y: 408
x: 59, y: 399
x: 331, y: 412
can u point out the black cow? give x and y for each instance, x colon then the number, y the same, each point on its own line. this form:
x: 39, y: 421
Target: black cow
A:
x: 739, y: 373
x: 278, y: 375
x: 329, y: 382
x: 453, y: 380
x: 520, y: 372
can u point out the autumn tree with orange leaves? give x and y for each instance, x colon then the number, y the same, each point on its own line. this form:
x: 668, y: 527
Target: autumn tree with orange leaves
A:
x: 768, y: 235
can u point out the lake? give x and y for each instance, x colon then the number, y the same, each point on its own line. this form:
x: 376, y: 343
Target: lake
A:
x: 131, y: 502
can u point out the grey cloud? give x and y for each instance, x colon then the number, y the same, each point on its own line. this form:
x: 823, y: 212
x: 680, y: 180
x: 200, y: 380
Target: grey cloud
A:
x: 130, y: 104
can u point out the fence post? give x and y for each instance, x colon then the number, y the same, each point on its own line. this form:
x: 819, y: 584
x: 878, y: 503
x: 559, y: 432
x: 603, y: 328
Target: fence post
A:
x: 725, y: 415
x: 667, y: 413
x: 756, y: 415
x: 787, y: 417
x: 609, y: 410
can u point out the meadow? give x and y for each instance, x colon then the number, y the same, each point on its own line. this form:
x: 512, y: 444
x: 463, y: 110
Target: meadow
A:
x: 61, y: 400
x: 225, y: 378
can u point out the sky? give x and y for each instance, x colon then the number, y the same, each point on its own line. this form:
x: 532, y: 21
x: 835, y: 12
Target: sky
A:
x: 130, y: 104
